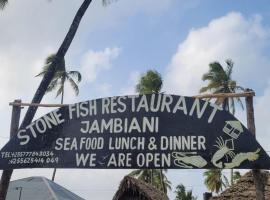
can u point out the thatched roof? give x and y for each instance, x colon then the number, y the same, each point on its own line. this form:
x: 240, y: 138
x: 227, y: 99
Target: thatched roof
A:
x: 244, y: 189
x: 139, y: 188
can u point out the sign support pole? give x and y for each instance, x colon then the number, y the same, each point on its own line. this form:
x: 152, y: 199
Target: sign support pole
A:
x: 257, y: 175
x: 6, y: 174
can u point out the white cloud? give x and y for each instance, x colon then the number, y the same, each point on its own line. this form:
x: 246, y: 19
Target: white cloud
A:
x: 18, y: 70
x: 94, y: 62
x: 262, y: 113
x: 129, y: 87
x: 232, y: 36
x: 104, y: 89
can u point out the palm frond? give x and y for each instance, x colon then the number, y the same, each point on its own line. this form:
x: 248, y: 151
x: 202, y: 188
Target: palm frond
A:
x: 76, y: 75
x: 150, y: 82
x: 232, y: 85
x: 240, y: 102
x: 41, y: 74
x: 52, y: 86
x: 213, y: 179
x: 239, y: 88
x: 217, y: 70
x: 225, y: 183
x: 49, y: 59
x: 215, y: 86
x: 61, y: 75
x: 218, y: 90
x: 60, y: 90
x: 229, y: 63
x: 73, y: 85
x: 107, y: 2
x: 61, y: 86
x: 134, y: 173
x: 61, y: 64
x: 232, y: 105
x: 3, y: 3
x: 203, y: 89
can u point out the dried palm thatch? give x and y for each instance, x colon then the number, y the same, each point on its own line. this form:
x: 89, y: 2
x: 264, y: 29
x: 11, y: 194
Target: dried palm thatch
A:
x: 244, y: 189
x: 134, y: 189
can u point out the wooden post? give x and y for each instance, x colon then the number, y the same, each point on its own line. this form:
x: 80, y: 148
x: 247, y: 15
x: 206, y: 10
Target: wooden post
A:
x: 6, y: 174
x: 257, y: 175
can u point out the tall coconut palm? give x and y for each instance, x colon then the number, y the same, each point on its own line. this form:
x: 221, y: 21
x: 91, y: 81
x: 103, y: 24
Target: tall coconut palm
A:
x: 61, y: 75
x: 214, y: 180
x: 151, y: 82
x: 183, y: 194
x: 236, y: 176
x: 160, y: 180
x: 3, y: 3
x: 47, y: 78
x: 220, y: 81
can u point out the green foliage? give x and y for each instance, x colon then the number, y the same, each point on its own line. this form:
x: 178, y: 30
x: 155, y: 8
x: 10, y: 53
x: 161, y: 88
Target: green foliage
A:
x: 3, y: 3
x: 107, y: 2
x: 182, y: 194
x: 150, y: 82
x: 214, y: 180
x: 236, y: 176
x: 220, y: 81
x: 61, y: 75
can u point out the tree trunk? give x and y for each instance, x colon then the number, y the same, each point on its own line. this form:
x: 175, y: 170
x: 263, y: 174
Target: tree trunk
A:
x: 6, y: 174
x: 58, y: 57
x: 257, y: 175
x: 47, y: 78
x: 226, y: 107
x: 62, y: 101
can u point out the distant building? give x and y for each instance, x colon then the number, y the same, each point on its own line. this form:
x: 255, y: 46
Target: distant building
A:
x: 244, y: 189
x: 133, y: 189
x: 233, y: 129
x: 38, y: 188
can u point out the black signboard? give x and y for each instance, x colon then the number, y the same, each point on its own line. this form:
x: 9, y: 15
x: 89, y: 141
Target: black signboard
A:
x: 140, y: 131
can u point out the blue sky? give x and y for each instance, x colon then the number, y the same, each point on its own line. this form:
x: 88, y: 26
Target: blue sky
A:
x: 117, y: 43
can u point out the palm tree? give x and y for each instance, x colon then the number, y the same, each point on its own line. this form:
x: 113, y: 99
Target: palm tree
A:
x: 220, y: 81
x: 3, y: 3
x: 182, y: 194
x: 236, y: 176
x: 160, y: 180
x: 61, y: 75
x: 151, y: 82
x: 47, y: 78
x: 153, y: 177
x: 215, y: 181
